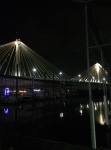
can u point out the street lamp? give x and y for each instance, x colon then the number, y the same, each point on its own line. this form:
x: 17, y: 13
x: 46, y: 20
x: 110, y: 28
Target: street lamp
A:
x: 60, y: 73
x: 34, y: 70
x: 61, y: 113
x: 32, y: 98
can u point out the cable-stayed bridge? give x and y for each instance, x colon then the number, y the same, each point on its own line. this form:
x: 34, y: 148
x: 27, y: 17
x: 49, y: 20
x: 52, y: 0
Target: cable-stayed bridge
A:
x: 17, y: 59
x: 21, y: 69
x: 97, y: 75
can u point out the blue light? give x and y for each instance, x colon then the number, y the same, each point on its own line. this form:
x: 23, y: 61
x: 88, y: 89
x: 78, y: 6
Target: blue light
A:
x: 6, y: 92
x: 5, y: 110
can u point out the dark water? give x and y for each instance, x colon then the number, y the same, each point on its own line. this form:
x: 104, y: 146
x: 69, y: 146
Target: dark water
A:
x: 73, y: 127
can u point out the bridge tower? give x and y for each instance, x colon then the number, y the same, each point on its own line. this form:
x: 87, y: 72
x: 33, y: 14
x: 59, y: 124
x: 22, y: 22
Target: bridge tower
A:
x: 17, y: 58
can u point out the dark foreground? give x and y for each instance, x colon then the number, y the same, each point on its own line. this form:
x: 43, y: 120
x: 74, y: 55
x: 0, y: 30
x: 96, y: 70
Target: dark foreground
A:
x: 46, y: 130
x: 28, y: 143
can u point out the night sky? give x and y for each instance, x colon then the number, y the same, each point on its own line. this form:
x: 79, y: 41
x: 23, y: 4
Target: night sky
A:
x: 56, y: 30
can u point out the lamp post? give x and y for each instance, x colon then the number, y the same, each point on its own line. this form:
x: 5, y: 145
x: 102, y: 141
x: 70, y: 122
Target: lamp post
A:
x: 34, y: 70
x: 60, y: 73
x: 92, y: 119
x: 61, y: 113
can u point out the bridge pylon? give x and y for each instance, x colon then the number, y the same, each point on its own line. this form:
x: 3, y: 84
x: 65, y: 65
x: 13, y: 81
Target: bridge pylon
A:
x: 17, y: 58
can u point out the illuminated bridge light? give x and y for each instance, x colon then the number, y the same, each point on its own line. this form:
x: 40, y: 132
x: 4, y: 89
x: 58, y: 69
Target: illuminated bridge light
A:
x: 97, y: 75
x: 81, y: 112
x: 60, y: 73
x: 87, y: 106
x: 79, y: 75
x: 97, y: 67
x: 34, y: 69
x: 104, y: 79
x: 101, y: 119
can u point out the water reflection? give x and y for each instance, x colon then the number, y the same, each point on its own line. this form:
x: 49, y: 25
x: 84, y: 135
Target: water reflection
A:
x: 98, y: 110
x: 5, y: 110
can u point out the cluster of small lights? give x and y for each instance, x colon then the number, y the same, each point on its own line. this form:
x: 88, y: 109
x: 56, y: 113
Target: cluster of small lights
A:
x: 99, y: 109
x: 97, y: 75
x: 22, y: 91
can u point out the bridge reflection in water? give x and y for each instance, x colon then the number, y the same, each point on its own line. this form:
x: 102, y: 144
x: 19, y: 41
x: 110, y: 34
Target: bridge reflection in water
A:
x: 63, y: 120
x: 99, y: 111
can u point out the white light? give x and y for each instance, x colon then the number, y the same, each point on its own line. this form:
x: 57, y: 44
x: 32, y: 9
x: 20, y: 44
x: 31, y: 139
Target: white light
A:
x: 81, y: 112
x: 61, y: 114
x: 97, y: 67
x: 79, y: 75
x: 34, y: 69
x: 95, y: 107
x: 87, y: 106
x: 100, y: 104
x: 36, y: 90
x: 80, y: 106
x: 101, y: 119
x: 17, y: 42
x: 104, y: 79
x: 60, y: 73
